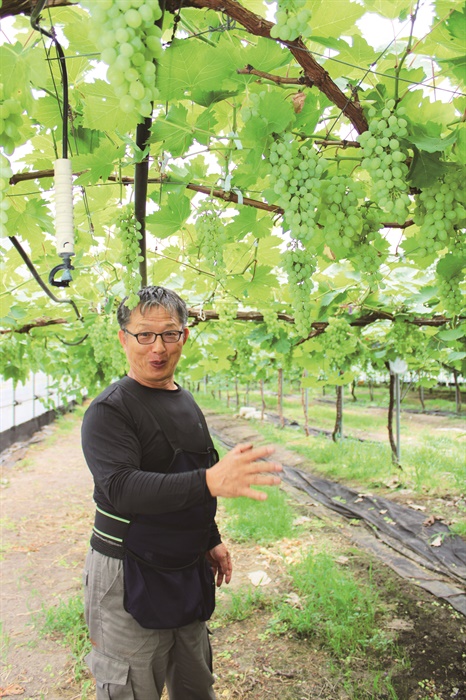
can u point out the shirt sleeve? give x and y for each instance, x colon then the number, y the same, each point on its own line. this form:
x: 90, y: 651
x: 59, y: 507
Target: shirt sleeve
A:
x: 113, y: 454
x: 215, y: 537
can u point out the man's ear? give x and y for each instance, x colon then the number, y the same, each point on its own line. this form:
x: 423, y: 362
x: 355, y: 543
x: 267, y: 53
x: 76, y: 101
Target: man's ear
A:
x: 185, y: 335
x: 122, y: 338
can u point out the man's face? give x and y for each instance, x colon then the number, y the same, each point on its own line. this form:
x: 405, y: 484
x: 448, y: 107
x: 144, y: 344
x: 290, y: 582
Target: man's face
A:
x: 153, y: 365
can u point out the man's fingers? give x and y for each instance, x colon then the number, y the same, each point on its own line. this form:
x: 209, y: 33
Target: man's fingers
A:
x: 243, y: 447
x: 250, y: 452
x: 263, y: 467
x: 255, y: 453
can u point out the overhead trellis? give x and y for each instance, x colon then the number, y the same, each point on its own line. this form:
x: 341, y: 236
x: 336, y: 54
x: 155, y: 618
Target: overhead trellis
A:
x: 209, y: 173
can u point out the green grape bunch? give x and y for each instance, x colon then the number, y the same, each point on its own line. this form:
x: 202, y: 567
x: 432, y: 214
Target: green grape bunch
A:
x: 5, y: 174
x: 384, y: 158
x: 339, y: 342
x: 272, y: 322
x: 405, y: 338
x: 227, y: 308
x: 341, y: 215
x: 105, y: 364
x: 440, y: 213
x: 211, y: 239
x: 452, y: 293
x: 296, y: 175
x: 129, y: 233
x: 299, y: 264
x: 129, y: 42
x: 292, y: 20
x: 11, y: 120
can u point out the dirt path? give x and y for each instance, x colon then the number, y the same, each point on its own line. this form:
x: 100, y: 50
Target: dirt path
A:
x: 46, y: 515
x: 46, y: 507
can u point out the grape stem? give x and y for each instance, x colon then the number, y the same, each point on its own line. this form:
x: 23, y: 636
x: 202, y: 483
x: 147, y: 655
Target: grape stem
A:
x: 406, y: 52
x: 278, y: 79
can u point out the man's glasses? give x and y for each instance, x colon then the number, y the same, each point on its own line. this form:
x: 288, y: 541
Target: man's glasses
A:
x: 147, y: 338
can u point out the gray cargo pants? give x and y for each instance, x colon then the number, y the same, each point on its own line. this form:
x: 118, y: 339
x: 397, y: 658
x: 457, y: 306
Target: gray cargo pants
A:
x: 130, y: 662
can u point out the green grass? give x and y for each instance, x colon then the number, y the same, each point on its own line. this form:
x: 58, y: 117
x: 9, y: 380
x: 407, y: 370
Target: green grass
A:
x: 436, y: 467
x: 234, y: 606
x: 260, y: 521
x: 65, y: 623
x: 4, y: 643
x: 439, y: 400
x: 333, y: 608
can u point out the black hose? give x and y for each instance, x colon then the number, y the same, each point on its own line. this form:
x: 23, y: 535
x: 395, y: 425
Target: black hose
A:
x: 38, y: 279
x: 35, y: 16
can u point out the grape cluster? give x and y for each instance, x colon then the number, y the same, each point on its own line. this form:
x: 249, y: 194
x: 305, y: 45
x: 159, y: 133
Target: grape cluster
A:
x: 340, y: 215
x: 339, y: 341
x: 292, y: 20
x: 10, y: 122
x: 227, y: 308
x: 299, y: 265
x: 105, y: 362
x: 271, y: 321
x: 456, y: 244
x: 405, y: 338
x: 385, y: 160
x: 129, y: 42
x: 5, y: 174
x: 296, y: 174
x: 211, y: 239
x: 452, y: 294
x: 439, y: 211
x: 129, y: 232
x: 371, y: 249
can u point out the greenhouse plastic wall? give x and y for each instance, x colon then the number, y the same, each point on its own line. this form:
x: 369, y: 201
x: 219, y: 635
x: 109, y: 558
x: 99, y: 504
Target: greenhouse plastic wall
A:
x: 25, y: 408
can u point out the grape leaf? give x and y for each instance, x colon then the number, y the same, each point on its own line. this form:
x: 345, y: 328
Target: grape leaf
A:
x: 170, y: 218
x: 176, y: 134
x: 102, y: 111
x: 450, y: 266
x: 187, y: 66
x: 426, y: 168
x: 99, y: 164
x: 429, y: 144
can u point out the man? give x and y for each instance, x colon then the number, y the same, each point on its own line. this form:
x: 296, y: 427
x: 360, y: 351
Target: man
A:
x: 156, y: 552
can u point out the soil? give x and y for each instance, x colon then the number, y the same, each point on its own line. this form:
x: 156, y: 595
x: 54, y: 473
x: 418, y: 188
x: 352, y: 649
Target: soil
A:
x: 46, y: 517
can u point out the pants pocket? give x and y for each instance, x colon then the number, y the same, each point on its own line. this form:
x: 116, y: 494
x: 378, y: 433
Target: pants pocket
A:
x: 111, y: 675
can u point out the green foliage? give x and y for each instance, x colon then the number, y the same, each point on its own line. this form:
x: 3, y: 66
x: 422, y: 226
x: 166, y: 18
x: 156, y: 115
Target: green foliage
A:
x: 335, y: 240
x: 260, y: 521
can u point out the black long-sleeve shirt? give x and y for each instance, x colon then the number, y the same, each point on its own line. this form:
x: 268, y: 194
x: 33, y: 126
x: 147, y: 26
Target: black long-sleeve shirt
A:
x: 129, y: 454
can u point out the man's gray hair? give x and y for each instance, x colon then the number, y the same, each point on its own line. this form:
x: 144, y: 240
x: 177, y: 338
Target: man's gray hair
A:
x: 155, y: 296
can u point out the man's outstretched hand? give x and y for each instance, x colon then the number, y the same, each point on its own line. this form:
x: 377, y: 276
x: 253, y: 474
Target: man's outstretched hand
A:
x: 240, y: 469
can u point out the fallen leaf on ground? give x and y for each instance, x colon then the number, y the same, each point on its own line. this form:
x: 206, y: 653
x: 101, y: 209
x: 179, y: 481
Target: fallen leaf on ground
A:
x: 259, y: 578
x: 437, y: 541
x: 14, y: 689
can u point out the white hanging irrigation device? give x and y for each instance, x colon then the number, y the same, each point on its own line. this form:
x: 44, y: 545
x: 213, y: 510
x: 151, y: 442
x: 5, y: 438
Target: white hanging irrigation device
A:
x: 64, y: 221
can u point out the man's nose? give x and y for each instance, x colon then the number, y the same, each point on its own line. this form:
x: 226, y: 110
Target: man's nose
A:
x: 158, y: 346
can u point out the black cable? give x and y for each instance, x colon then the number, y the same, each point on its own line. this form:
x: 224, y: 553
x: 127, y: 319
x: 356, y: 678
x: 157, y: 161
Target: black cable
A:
x: 75, y: 342
x: 38, y: 279
x: 35, y: 17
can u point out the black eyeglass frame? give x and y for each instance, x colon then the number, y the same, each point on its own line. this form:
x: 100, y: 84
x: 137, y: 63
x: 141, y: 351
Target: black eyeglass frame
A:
x: 162, y: 334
